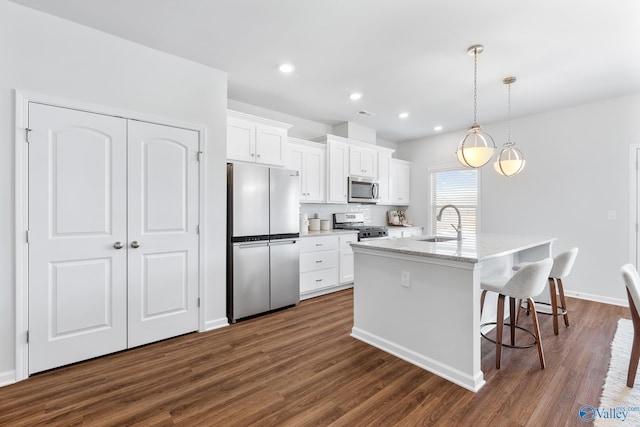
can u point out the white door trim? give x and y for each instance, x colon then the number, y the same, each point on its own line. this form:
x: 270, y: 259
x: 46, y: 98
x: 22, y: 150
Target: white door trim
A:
x: 22, y: 100
x: 634, y: 203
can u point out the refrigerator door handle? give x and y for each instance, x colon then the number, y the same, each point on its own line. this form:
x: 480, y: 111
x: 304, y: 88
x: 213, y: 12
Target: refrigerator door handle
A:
x: 283, y: 242
x: 250, y: 245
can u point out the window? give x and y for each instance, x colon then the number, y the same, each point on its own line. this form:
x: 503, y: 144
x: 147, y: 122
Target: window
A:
x: 458, y: 187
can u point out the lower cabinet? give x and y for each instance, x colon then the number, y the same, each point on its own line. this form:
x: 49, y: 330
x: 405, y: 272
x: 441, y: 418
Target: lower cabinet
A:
x: 326, y: 264
x: 397, y: 232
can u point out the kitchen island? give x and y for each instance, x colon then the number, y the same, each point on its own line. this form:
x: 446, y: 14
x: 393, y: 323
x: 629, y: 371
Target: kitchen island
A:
x: 420, y: 300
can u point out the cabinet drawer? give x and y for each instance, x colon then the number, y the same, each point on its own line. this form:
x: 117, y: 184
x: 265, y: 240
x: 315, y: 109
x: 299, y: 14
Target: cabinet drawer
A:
x: 313, y: 280
x: 313, y: 261
x: 324, y: 243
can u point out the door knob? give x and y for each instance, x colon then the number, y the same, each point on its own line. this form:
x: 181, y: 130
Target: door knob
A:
x: 118, y: 245
x: 135, y: 244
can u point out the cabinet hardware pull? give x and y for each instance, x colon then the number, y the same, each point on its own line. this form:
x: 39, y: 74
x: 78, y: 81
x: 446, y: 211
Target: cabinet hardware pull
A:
x: 318, y: 262
x: 135, y: 244
x: 118, y: 245
x: 318, y: 280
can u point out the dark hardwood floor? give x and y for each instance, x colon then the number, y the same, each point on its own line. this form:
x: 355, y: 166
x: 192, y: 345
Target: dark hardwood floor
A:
x: 300, y: 367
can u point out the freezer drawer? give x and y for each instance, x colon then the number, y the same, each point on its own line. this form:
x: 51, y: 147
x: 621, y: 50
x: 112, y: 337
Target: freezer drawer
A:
x: 250, y: 279
x: 285, y: 273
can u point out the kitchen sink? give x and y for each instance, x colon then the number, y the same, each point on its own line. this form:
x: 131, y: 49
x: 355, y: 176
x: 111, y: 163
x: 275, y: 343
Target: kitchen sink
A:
x: 436, y: 239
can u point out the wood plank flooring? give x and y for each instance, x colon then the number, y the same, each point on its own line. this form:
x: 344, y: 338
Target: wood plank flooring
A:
x: 300, y: 367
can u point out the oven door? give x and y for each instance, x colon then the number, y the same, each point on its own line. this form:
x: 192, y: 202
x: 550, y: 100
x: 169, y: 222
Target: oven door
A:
x: 363, y: 190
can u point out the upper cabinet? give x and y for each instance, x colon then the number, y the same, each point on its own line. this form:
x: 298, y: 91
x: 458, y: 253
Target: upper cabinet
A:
x: 309, y: 158
x: 363, y: 161
x: 255, y: 139
x: 338, y: 170
x: 399, y: 182
x: 384, y: 159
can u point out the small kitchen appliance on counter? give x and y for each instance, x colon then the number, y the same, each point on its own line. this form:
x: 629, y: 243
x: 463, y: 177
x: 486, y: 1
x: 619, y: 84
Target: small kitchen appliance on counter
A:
x: 263, y: 225
x: 355, y: 221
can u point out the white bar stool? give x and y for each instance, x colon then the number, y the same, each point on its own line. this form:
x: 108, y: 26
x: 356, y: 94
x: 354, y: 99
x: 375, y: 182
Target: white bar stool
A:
x: 525, y: 284
x: 562, y: 265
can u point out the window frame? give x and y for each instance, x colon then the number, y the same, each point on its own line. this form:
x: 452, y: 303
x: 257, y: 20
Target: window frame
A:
x: 431, y: 210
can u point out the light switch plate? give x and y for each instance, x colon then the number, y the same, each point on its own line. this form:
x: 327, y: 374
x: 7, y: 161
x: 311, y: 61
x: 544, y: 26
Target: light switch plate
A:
x: 405, y: 279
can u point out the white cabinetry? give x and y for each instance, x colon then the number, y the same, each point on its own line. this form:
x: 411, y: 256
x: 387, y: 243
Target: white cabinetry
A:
x: 384, y: 160
x: 309, y: 158
x: 363, y: 161
x: 319, y: 263
x: 338, y: 169
x: 255, y: 139
x: 346, y: 257
x: 397, y: 232
x: 399, y: 182
x: 326, y: 264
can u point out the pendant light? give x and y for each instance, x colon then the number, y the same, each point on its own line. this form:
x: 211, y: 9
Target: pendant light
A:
x: 510, y: 160
x: 477, y: 147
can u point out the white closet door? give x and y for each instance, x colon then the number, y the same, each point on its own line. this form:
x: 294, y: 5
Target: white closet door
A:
x: 163, y: 239
x: 77, y: 214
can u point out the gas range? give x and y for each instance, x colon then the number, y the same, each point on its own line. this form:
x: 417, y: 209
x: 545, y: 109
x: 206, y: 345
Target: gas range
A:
x: 355, y: 221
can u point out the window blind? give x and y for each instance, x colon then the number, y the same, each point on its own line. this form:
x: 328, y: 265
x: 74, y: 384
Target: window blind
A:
x: 458, y: 187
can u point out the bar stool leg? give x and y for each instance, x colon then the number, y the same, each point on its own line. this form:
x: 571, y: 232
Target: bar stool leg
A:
x: 512, y: 312
x: 563, y: 302
x: 554, y: 304
x: 499, y: 325
x: 484, y: 294
x: 635, y: 349
x: 536, y: 328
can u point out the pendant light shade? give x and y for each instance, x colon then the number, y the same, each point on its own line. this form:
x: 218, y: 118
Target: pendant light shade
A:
x: 510, y: 161
x: 477, y: 147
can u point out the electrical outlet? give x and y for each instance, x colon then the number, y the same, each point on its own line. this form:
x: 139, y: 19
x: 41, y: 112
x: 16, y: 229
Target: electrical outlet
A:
x: 405, y: 279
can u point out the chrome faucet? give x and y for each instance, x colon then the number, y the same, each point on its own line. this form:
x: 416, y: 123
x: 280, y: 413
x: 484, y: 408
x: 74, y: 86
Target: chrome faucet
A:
x: 459, y: 228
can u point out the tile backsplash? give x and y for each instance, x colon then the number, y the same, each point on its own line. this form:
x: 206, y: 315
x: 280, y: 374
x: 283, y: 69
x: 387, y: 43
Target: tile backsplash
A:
x: 373, y: 214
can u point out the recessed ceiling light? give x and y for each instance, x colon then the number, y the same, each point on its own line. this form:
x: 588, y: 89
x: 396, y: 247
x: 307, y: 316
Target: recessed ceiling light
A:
x: 437, y: 128
x: 403, y: 115
x: 286, y: 68
x: 355, y: 96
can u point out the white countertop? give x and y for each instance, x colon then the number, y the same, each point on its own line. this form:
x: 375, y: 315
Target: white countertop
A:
x: 473, y: 249
x: 333, y: 231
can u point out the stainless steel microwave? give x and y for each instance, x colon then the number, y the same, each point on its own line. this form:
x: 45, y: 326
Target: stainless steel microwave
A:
x: 363, y: 190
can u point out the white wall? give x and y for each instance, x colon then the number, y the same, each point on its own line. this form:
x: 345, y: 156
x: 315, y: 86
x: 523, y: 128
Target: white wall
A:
x: 50, y: 56
x: 577, y: 170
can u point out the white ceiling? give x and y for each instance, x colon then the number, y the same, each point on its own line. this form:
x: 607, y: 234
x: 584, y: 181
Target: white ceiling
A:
x: 403, y: 55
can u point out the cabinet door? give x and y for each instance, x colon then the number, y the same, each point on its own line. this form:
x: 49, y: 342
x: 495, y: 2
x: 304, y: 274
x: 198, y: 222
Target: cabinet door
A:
x: 363, y: 162
x: 403, y: 179
x: 338, y: 172
x: 314, y: 175
x: 271, y: 143
x: 296, y: 161
x: 400, y: 182
x: 383, y: 178
x: 241, y: 140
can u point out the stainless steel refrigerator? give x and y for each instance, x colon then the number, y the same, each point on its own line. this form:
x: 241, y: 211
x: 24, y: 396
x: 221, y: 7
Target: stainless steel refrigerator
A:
x: 263, y: 269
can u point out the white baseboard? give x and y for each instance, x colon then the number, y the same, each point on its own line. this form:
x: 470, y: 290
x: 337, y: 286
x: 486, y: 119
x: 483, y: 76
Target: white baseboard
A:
x: 443, y: 370
x: 210, y: 325
x: 325, y: 291
x: 7, y: 377
x: 598, y: 298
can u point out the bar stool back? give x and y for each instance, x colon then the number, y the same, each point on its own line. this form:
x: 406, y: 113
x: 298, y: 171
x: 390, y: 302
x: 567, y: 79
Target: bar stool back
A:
x: 562, y: 265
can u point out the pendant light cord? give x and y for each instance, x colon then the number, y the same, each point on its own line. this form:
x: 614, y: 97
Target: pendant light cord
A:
x: 509, y: 117
x: 475, y: 86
